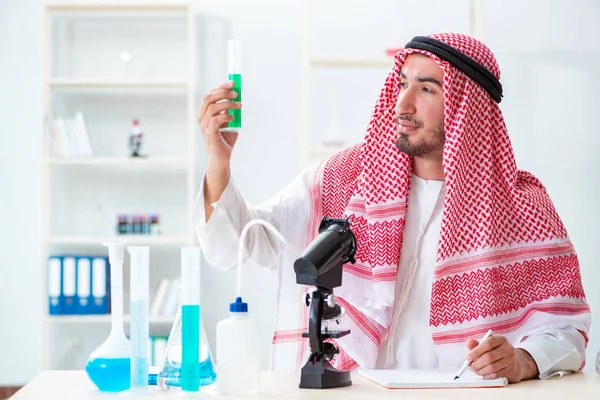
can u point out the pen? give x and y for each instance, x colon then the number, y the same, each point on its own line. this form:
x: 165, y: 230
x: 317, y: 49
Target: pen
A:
x: 468, y: 364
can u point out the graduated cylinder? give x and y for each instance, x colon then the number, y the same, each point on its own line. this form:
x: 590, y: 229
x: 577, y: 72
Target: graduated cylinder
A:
x: 139, y: 283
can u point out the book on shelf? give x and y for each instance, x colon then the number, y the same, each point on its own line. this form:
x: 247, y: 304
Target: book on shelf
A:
x: 162, y: 291
x: 166, y: 298
x: 68, y: 136
x: 83, y: 134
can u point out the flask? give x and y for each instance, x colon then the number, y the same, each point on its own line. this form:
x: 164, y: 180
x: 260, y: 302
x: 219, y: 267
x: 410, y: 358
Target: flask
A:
x: 182, y: 369
x: 108, y: 366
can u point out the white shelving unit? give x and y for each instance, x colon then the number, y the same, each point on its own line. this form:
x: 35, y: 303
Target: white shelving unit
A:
x: 383, y: 62
x: 103, y: 319
x: 129, y: 239
x: 67, y: 27
x: 86, y: 83
x: 308, y: 149
x: 156, y: 162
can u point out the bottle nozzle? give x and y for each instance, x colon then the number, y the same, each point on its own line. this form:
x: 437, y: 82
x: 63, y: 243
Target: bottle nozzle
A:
x: 238, y: 306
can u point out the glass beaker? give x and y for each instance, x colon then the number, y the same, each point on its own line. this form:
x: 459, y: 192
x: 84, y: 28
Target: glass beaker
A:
x: 179, y: 362
x: 170, y: 375
x: 109, y: 365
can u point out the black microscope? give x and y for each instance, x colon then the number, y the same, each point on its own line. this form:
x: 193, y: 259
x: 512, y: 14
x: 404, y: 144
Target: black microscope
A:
x: 320, y: 265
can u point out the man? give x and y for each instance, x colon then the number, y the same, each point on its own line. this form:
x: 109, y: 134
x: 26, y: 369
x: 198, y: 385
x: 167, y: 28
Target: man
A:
x: 453, y: 239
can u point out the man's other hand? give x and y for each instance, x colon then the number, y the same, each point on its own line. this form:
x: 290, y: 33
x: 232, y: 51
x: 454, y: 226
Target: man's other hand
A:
x: 495, y: 358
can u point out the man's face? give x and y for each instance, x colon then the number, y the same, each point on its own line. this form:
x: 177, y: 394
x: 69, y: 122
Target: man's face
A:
x: 420, y: 108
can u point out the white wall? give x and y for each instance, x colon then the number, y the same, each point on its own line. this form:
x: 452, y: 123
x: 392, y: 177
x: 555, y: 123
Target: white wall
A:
x: 551, y: 125
x: 548, y: 59
x: 20, y: 110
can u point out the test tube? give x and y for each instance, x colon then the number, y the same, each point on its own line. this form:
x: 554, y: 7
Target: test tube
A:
x: 139, y: 277
x: 234, y: 66
x: 190, y: 318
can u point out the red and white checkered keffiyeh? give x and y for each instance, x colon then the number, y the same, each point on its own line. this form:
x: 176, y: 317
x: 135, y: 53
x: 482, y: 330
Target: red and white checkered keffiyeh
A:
x: 504, y: 260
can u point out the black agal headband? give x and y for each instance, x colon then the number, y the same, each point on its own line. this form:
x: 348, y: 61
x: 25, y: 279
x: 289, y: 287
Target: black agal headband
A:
x: 466, y: 64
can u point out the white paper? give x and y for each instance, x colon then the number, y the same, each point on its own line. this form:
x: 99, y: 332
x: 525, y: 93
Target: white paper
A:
x: 428, y: 378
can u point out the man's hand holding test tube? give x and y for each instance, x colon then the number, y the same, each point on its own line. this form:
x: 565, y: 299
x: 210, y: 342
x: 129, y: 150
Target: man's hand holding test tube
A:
x: 220, y: 120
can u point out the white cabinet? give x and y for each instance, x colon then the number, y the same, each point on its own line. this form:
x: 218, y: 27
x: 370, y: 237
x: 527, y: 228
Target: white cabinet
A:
x: 116, y: 63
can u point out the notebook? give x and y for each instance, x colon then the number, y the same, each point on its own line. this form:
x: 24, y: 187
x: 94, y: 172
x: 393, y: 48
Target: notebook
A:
x: 428, y: 379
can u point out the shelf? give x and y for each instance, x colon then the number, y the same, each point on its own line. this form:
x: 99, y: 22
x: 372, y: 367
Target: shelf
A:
x: 381, y: 62
x: 128, y: 239
x: 106, y: 318
x: 116, y: 7
x: 179, y: 162
x: 83, y: 72
x: 99, y: 83
x: 325, y: 151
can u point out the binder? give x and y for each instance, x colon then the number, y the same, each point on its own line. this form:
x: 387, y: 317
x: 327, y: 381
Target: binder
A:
x: 84, y: 285
x: 55, y: 285
x: 100, y: 296
x: 69, y: 278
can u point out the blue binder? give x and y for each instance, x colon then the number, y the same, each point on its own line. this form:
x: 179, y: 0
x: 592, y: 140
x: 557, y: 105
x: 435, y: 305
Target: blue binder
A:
x: 84, y: 285
x: 55, y: 300
x: 69, y: 284
x: 100, y: 286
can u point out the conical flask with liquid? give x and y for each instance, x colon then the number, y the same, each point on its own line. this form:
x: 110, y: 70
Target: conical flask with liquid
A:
x: 188, y: 362
x: 109, y: 365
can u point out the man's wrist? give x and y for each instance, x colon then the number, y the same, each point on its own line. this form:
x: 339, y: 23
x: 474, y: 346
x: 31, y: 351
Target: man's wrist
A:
x: 529, y: 368
x: 218, y: 167
x: 215, y: 182
x: 217, y: 175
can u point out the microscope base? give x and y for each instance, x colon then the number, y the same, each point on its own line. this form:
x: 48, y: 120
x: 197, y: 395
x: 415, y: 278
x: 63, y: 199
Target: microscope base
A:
x: 323, y: 375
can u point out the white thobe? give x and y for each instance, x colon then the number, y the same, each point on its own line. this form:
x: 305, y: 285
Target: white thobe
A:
x: 409, y: 343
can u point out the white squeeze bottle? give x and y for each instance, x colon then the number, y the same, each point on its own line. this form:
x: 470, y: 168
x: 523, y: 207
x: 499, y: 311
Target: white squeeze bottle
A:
x: 238, y: 358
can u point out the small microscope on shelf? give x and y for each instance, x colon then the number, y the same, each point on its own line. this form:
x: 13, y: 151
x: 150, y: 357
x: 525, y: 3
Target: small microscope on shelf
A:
x: 321, y: 265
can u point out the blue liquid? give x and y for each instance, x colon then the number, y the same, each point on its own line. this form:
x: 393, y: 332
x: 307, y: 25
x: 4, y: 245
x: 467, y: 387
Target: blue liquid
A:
x: 171, y: 374
x: 109, y: 374
x: 190, y: 348
x: 207, y: 372
x: 139, y: 344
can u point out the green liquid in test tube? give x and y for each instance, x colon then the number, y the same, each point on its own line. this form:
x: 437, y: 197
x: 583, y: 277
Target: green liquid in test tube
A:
x: 234, y: 51
x: 237, y: 113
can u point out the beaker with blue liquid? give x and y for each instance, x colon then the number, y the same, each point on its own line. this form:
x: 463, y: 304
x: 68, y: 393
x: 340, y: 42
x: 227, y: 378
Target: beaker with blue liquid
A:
x: 109, y: 366
x: 188, y: 364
